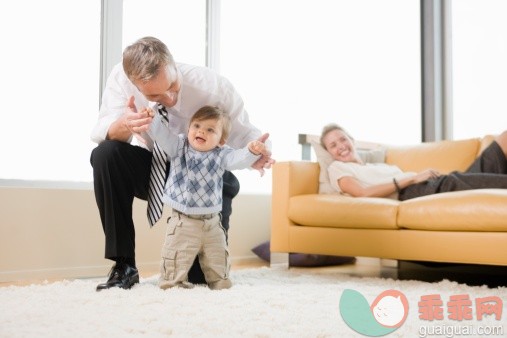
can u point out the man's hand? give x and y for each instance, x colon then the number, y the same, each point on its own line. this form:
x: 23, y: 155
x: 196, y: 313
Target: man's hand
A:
x: 131, y: 122
x: 265, y: 162
x: 136, y: 121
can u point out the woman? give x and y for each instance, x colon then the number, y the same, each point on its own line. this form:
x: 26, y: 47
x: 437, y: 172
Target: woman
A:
x: 348, y: 174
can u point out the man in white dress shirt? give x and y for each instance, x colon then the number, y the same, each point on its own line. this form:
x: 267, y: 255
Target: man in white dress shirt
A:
x: 122, y: 160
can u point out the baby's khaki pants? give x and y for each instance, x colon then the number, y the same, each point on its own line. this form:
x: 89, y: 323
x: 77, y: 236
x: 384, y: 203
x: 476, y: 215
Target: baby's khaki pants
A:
x: 189, y: 236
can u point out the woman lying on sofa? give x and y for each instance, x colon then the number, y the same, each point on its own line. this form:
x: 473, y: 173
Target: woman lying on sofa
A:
x: 350, y: 175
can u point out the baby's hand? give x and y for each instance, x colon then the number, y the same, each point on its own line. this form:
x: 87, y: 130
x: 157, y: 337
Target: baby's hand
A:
x: 257, y: 147
x: 148, y: 111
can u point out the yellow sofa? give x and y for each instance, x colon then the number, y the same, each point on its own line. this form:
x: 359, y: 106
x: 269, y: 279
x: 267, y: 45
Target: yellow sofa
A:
x: 459, y: 227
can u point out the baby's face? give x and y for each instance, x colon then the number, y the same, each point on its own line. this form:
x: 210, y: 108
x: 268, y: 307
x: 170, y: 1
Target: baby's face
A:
x: 205, y: 135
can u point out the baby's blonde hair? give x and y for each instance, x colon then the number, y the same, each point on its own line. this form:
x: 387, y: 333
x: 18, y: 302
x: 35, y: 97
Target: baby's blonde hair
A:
x: 217, y: 114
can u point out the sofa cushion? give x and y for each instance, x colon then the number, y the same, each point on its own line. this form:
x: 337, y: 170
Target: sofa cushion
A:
x: 338, y: 211
x: 444, y: 156
x: 472, y: 210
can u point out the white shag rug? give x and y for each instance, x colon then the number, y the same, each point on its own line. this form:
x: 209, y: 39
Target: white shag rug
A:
x: 263, y: 302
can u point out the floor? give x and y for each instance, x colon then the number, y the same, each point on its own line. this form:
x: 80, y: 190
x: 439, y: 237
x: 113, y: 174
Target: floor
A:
x: 143, y: 273
x: 492, y: 276
x: 359, y: 269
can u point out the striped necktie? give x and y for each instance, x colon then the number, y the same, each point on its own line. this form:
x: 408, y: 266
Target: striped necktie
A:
x: 157, y: 178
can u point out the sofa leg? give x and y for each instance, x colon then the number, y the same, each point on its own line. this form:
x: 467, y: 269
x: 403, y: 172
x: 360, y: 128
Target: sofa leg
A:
x: 279, y: 260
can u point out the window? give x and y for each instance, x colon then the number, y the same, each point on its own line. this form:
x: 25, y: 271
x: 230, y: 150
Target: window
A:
x: 479, y: 54
x: 298, y: 65
x: 50, y: 75
x: 180, y: 24
x: 302, y: 64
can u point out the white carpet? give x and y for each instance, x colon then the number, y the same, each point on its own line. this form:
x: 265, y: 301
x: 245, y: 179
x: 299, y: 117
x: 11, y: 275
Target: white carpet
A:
x: 263, y: 302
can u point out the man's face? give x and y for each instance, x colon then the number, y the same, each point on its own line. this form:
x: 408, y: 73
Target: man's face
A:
x: 163, y: 88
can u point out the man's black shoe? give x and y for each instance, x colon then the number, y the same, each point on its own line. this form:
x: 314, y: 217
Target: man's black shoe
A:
x: 121, y: 276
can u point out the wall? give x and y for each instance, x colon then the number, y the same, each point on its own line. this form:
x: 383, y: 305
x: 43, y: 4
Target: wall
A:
x: 50, y: 233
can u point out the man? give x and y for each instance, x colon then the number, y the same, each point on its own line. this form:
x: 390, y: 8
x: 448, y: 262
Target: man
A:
x: 148, y: 75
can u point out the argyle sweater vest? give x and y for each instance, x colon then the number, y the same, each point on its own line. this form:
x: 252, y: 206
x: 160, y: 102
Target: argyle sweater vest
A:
x: 195, y: 182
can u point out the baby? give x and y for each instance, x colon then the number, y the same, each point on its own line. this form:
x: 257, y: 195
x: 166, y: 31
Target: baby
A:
x: 193, y: 189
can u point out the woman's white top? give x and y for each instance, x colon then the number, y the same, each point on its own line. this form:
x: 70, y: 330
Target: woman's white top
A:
x: 368, y: 174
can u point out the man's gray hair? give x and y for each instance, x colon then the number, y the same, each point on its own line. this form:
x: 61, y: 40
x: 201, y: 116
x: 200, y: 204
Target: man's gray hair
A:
x: 143, y: 59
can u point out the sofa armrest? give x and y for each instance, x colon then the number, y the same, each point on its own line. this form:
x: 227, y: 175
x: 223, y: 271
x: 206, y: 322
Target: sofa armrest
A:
x: 293, y: 178
x: 289, y: 179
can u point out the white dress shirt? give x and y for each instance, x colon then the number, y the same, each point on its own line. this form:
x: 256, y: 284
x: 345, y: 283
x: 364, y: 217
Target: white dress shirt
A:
x: 200, y: 86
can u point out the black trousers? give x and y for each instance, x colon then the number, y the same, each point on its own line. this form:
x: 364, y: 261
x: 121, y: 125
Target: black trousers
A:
x: 489, y: 170
x: 121, y: 172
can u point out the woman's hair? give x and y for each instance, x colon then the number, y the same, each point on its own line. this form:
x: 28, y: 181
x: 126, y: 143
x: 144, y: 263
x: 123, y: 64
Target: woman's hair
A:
x: 144, y: 58
x: 217, y: 114
x: 329, y: 128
